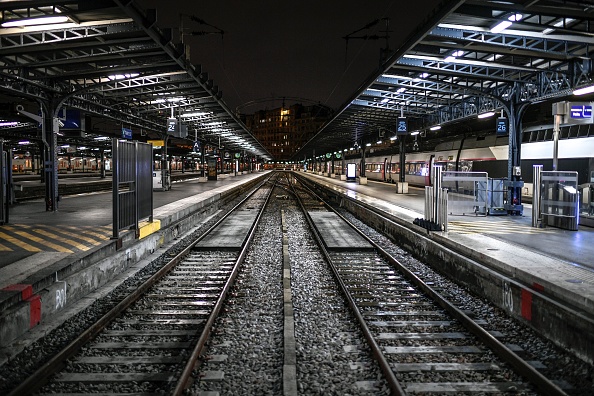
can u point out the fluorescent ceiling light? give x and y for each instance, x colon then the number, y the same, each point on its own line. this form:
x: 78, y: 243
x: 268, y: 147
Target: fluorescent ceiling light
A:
x: 501, y: 26
x: 379, y: 142
x: 435, y: 128
x: 393, y: 137
x: 122, y: 76
x: 584, y: 90
x: 8, y: 123
x: 558, y: 24
x: 486, y: 115
x: 400, y: 90
x: 24, y: 142
x: 385, y: 100
x: 35, y: 21
x: 424, y: 75
x: 415, y: 133
x: 195, y: 114
x: 368, y: 144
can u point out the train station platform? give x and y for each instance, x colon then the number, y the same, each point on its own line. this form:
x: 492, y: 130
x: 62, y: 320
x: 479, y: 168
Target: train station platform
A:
x: 48, y: 259
x: 540, y: 268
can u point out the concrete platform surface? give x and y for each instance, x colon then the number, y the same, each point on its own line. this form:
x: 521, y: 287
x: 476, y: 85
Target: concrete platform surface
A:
x: 336, y: 233
x: 231, y: 233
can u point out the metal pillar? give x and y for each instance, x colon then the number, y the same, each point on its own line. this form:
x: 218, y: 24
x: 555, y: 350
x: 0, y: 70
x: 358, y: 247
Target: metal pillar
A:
x: 556, y: 130
x: 50, y: 127
x: 102, y: 155
x: 536, y: 180
x: 362, y: 172
x: 514, y: 181
x: 402, y: 160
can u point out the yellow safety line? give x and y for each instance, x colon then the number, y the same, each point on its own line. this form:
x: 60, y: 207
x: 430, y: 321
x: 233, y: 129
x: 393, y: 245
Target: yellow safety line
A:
x: 41, y: 241
x: 71, y: 234
x: 80, y: 230
x: 19, y: 243
x: 62, y: 239
x: 94, y: 233
x: 90, y: 232
x: 5, y: 248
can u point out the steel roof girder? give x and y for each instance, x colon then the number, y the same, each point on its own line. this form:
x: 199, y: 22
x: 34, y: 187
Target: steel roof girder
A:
x: 47, y: 37
x: 541, y: 44
x: 469, y: 69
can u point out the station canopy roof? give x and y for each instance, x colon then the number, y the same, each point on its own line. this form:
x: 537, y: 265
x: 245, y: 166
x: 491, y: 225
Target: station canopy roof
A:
x: 109, y: 65
x: 466, y: 59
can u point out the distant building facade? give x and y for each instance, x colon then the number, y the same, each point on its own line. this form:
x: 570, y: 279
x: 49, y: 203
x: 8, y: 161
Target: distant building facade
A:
x: 284, y: 130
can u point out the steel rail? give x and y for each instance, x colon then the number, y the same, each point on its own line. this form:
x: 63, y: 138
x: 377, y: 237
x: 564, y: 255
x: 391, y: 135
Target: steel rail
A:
x: 199, y: 347
x: 38, y: 379
x: 391, y: 379
x: 506, y: 354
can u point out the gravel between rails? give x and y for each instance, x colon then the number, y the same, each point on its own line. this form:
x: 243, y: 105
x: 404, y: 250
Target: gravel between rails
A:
x: 250, y: 332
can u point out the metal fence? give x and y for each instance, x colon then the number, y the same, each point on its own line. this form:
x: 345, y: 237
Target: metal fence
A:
x: 557, y: 199
x: 468, y: 192
x: 132, y: 184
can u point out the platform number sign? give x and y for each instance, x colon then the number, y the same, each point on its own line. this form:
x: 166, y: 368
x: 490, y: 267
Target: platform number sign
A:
x: 126, y: 133
x: 402, y: 126
x: 502, y: 127
x: 171, y: 125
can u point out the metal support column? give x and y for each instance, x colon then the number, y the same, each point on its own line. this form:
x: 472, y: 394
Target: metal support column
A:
x: 536, y: 180
x: 362, y: 172
x: 514, y: 176
x: 50, y: 128
x: 402, y: 159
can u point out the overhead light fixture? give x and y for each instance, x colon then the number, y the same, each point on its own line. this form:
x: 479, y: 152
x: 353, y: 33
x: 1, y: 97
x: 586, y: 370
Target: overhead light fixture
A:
x: 368, y: 144
x: 454, y: 55
x: 122, y: 76
x: 379, y: 142
x: 501, y: 26
x: 385, y: 100
x: 393, y: 137
x: 45, y: 20
x: 486, y: 115
x: 435, y: 128
x: 23, y: 142
x: 8, y: 123
x: 413, y: 133
x: 584, y: 90
x: 560, y: 23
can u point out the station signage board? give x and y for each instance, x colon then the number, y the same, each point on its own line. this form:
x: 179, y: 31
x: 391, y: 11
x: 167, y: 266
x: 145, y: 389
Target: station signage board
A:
x: 171, y: 125
x: 575, y: 112
x: 126, y: 133
x: 501, y: 126
x: 402, y: 126
x: 156, y: 143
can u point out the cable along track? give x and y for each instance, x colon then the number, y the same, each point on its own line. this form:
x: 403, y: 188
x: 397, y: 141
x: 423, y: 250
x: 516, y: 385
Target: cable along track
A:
x: 422, y: 342
x: 150, y: 341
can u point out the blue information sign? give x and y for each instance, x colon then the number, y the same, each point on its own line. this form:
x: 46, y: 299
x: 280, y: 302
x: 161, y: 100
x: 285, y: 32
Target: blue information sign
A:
x: 581, y: 111
x: 402, y: 126
x: 126, y: 133
x: 501, y: 127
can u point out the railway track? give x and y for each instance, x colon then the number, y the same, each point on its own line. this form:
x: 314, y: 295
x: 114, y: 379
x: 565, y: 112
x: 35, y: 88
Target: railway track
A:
x: 150, y: 341
x: 422, y: 342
